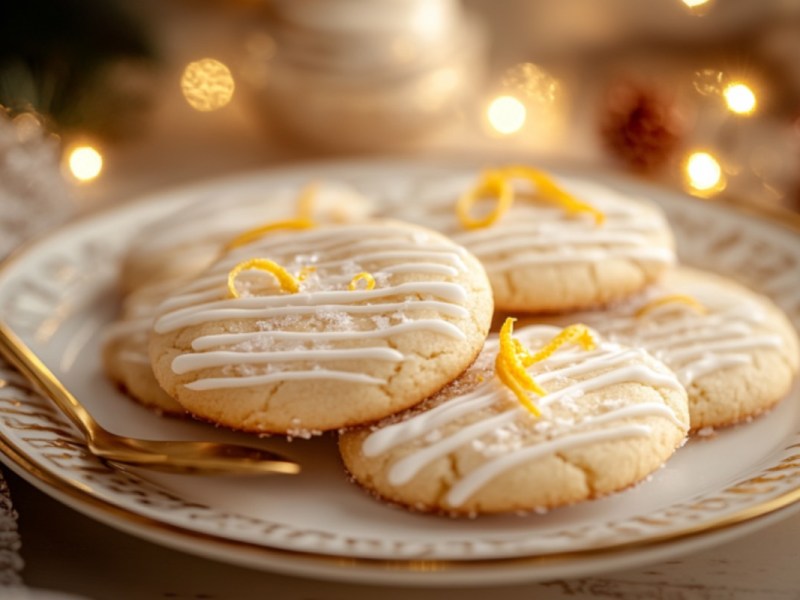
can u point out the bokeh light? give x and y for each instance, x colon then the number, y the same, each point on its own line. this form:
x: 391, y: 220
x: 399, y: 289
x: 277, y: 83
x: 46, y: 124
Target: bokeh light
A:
x: 207, y: 84
x: 739, y: 98
x: 697, y: 7
x: 704, y: 173
x: 506, y: 114
x: 85, y: 162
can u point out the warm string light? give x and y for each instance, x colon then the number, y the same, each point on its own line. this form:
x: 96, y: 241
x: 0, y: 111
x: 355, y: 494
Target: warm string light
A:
x: 530, y: 98
x: 697, y: 7
x: 739, y: 98
x: 207, y: 85
x: 85, y: 162
x: 506, y: 114
x: 704, y: 175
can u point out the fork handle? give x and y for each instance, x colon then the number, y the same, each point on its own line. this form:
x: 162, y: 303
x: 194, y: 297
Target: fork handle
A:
x: 13, y: 349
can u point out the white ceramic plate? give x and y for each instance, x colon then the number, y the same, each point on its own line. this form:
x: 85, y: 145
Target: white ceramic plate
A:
x: 58, y: 293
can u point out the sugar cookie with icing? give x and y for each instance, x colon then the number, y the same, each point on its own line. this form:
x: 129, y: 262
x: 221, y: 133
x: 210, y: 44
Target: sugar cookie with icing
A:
x: 188, y: 240
x: 125, y: 355
x: 610, y: 416
x: 560, y: 245
x: 734, y: 350
x: 315, y: 329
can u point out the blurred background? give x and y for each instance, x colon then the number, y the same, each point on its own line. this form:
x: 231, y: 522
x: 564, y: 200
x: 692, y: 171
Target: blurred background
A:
x: 108, y: 99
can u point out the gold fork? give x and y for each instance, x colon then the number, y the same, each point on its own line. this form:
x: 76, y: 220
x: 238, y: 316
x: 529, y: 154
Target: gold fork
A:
x: 170, y: 456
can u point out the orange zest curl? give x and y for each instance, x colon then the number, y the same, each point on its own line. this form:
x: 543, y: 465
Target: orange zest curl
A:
x: 491, y: 182
x: 514, y: 358
x: 363, y: 276
x: 511, y: 370
x: 287, y: 281
x: 257, y: 233
x: 685, y: 299
x: 548, y: 189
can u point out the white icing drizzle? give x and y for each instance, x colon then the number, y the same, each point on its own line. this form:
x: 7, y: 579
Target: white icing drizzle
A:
x: 694, y: 344
x: 255, y: 307
x: 305, y: 334
x: 213, y: 383
x: 578, y: 374
x: 226, y: 339
x: 537, y: 233
x: 196, y: 361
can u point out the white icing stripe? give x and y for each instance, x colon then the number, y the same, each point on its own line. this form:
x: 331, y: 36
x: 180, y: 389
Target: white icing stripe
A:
x: 558, y: 227
x: 662, y: 255
x: 603, y: 360
x: 337, y: 316
x: 429, y: 268
x: 220, y: 309
x: 214, y: 383
x: 406, y: 468
x: 226, y: 339
x: 645, y: 409
x: 388, y: 437
x: 513, y: 243
x: 637, y: 373
x: 376, y: 257
x: 186, y: 363
x: 689, y: 373
x: 451, y: 310
x: 700, y: 350
x: 463, y: 489
x: 698, y: 335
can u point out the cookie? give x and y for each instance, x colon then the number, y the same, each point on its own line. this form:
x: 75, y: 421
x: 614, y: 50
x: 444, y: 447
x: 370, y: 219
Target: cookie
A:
x: 549, y: 244
x: 125, y: 355
x: 333, y: 326
x: 190, y: 239
x: 609, y: 416
x: 734, y: 350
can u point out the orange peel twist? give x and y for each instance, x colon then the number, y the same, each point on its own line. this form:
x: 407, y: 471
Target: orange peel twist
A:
x: 363, y: 276
x: 492, y: 182
x: 550, y: 190
x: 287, y: 281
x: 514, y: 358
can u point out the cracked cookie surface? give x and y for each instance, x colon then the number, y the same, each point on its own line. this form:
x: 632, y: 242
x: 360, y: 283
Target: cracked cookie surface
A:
x: 610, y: 417
x: 339, y: 350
